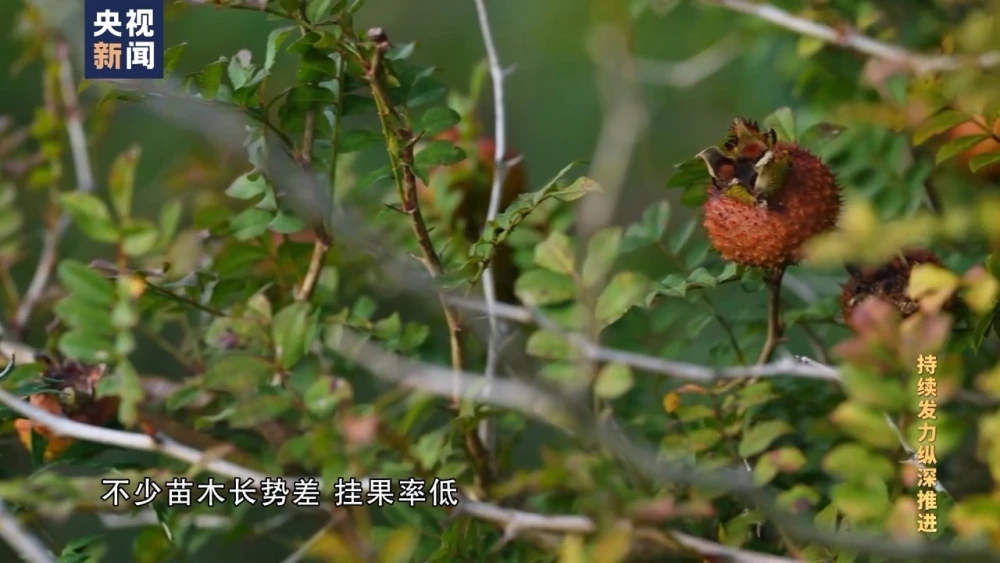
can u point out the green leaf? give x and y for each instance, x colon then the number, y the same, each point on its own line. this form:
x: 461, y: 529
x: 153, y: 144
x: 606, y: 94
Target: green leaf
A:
x: 238, y: 373
x: 78, y: 313
x: 316, y: 10
x: 691, y: 172
x: 125, y: 384
x: 323, y: 396
x: 88, y: 549
x: 936, y: 124
x: 91, y: 215
x: 437, y: 120
x: 172, y: 56
x: 170, y: 219
x: 854, y: 463
x: 625, y: 290
x: 439, y: 153
x: 399, y: 546
x: 500, y: 230
x: 209, y: 79
x: 85, y: 345
x: 865, y: 424
x: 702, y: 278
x: 958, y: 146
x: 601, y: 253
x: 256, y: 410
x: 121, y: 183
x: 401, y: 51
x: 556, y: 254
x: 549, y: 345
x: 424, y: 90
x: 759, y: 437
x: 783, y: 123
x: 613, y: 381
x: 358, y: 140
x: 250, y: 223
x: 308, y: 95
x: 860, y: 502
x: 85, y: 283
x: 703, y: 438
x: 316, y: 66
x: 357, y: 105
x: 274, y: 42
x: 817, y: 136
x: 139, y: 237
x: 286, y: 223
x: 544, y: 287
x: 981, y: 161
x: 248, y: 186
x: 290, y: 332
x: 241, y: 71
x: 650, y: 229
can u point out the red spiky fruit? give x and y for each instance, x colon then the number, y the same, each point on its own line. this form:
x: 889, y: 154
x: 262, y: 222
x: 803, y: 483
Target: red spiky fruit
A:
x: 887, y: 282
x: 766, y: 198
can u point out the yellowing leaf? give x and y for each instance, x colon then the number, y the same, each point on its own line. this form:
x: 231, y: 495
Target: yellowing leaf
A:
x: 864, y: 424
x: 613, y: 381
x: 331, y: 547
x: 671, y: 402
x: 759, y: 437
x: 858, y: 221
x: 981, y: 290
x: 936, y: 124
x: 613, y: 545
x: 556, y: 254
x: 399, y: 546
x: 932, y: 286
x: 572, y: 550
x: 624, y: 291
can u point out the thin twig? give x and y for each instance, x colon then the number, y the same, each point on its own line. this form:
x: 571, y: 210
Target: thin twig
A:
x: 487, y: 428
x: 30, y: 548
x: 684, y: 370
x: 303, y: 549
x: 84, y: 183
x: 690, y: 72
x: 321, y: 245
x: 845, y: 37
x: 775, y: 324
x: 625, y: 121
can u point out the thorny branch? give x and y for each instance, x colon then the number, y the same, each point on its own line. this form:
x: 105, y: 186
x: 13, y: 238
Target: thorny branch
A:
x: 844, y: 36
x: 487, y: 428
x: 84, y: 184
x: 400, y: 143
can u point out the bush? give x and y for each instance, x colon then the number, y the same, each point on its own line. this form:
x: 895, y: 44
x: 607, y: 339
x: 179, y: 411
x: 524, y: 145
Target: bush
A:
x: 312, y: 341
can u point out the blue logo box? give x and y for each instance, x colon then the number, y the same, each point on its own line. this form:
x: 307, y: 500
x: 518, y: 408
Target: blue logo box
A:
x: 123, y: 39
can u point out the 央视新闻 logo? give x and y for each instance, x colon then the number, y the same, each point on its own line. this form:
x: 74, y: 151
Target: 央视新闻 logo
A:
x: 123, y: 39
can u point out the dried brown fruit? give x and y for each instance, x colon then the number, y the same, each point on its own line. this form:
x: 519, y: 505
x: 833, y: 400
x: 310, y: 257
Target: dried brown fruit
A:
x: 73, y: 395
x: 886, y: 282
x: 767, y: 197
